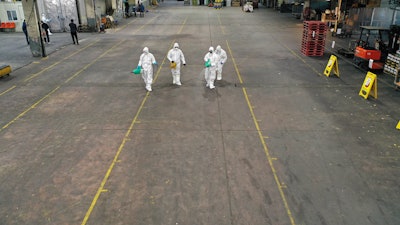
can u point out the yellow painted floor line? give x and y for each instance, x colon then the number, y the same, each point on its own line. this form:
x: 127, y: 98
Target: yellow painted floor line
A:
x: 8, y: 90
x: 301, y: 59
x: 58, y: 87
x: 124, y: 140
x: 69, y: 56
x: 220, y: 24
x: 321, y: 73
x: 58, y: 62
x: 66, y: 81
x: 29, y: 109
x: 49, y: 67
x: 261, y: 136
x: 107, y: 175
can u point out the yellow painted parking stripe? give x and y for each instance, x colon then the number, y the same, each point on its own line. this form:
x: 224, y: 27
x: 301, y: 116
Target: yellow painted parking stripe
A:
x: 183, y: 24
x: 107, y: 175
x: 220, y: 25
x: 69, y: 56
x: 270, y: 159
x: 122, y: 145
x: 66, y: 81
x: 58, y: 87
x: 58, y: 62
x: 389, y: 84
x: 171, y: 45
x: 144, y: 25
x: 8, y: 90
x: 29, y: 109
x: 301, y: 59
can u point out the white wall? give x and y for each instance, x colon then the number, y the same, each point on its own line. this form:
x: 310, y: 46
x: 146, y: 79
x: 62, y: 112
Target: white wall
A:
x: 12, y: 6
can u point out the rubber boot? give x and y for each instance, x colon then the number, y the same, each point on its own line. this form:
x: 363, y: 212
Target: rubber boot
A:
x: 178, y: 80
x: 212, y: 84
x: 173, y: 79
x: 219, y: 76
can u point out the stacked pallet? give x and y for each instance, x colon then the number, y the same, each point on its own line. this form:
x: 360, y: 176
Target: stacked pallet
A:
x: 314, y: 34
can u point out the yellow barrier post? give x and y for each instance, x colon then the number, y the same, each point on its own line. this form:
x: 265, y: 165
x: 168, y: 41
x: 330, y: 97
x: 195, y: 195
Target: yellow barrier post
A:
x: 369, y: 83
x: 5, y: 70
x: 332, y: 63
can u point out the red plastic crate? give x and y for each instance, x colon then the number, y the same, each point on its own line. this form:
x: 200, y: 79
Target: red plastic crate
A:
x: 312, y: 53
x: 316, y: 39
x: 313, y: 44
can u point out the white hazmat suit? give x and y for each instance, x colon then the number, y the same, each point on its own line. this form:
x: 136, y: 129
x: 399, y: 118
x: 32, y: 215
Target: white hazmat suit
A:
x: 248, y: 7
x: 175, y: 55
x: 146, y: 63
x: 222, y: 57
x: 211, y: 70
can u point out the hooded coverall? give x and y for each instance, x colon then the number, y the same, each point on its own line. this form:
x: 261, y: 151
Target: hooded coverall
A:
x: 146, y: 61
x: 176, y: 55
x: 222, y: 57
x: 210, y: 71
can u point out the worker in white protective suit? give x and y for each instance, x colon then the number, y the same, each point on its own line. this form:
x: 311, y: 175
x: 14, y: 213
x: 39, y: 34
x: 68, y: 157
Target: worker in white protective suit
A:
x: 222, y: 57
x: 248, y: 7
x: 176, y: 58
x: 146, y: 63
x: 211, y: 61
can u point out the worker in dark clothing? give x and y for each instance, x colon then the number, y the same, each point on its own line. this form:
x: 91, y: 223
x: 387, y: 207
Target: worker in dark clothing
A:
x: 25, y: 30
x: 74, y: 31
x: 46, y: 28
x: 126, y: 4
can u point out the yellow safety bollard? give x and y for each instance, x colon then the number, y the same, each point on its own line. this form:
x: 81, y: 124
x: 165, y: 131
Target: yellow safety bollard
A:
x: 5, y: 70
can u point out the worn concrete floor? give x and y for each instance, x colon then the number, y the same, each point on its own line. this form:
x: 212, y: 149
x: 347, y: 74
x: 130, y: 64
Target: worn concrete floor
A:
x: 277, y: 142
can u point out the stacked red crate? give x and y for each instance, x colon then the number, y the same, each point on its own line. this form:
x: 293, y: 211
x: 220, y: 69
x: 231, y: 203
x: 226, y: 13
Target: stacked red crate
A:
x: 314, y: 34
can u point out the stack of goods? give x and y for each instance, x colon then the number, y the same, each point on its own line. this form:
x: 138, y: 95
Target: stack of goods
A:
x: 314, y: 34
x: 392, y: 64
x: 235, y: 3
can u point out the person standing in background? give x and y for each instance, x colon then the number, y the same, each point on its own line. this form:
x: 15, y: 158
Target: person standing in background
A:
x: 126, y: 5
x: 74, y: 32
x: 46, y: 28
x: 25, y: 30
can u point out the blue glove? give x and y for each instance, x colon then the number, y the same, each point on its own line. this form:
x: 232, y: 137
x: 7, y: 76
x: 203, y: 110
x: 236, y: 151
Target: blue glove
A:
x: 154, y: 63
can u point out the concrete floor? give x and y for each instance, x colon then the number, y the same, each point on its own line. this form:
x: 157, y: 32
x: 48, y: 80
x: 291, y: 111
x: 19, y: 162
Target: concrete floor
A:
x: 277, y: 142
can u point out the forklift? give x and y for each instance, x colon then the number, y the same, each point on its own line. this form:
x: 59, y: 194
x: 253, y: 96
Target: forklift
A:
x: 370, y: 50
